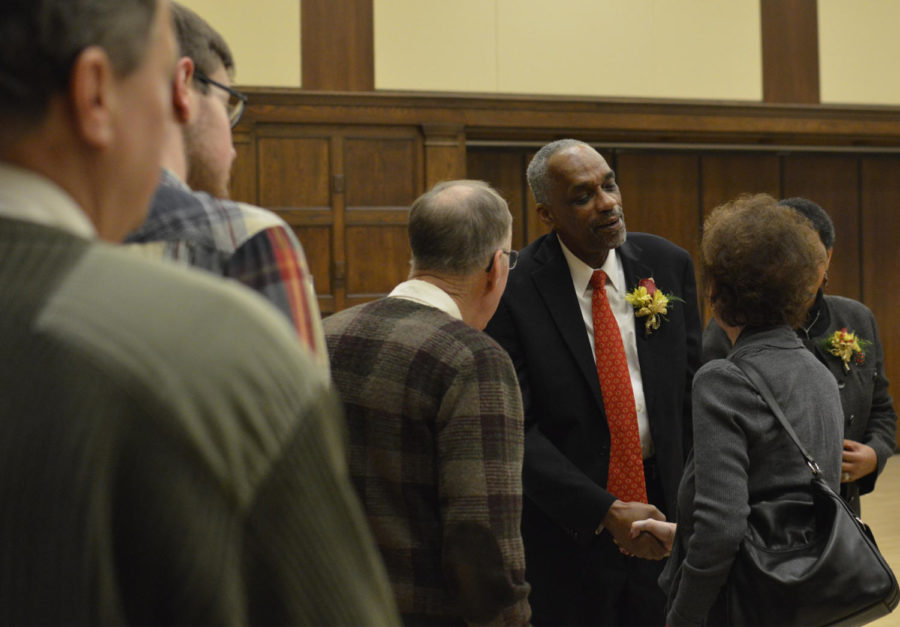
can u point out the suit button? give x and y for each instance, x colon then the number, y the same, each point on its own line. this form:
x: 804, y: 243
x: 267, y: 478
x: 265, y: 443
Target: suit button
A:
x: 841, y: 385
x: 852, y: 416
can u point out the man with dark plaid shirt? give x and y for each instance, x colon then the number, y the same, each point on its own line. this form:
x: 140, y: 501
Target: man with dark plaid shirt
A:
x: 190, y: 223
x: 435, y: 416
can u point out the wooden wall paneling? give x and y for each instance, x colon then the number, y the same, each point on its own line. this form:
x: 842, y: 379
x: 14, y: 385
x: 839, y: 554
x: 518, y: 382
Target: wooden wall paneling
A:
x: 383, y: 171
x: 337, y: 261
x: 536, y: 120
x: 504, y: 170
x: 726, y: 175
x: 294, y: 168
x: 294, y: 174
x: 377, y: 258
x: 660, y: 194
x: 790, y: 50
x: 337, y: 42
x: 242, y: 186
x: 832, y: 181
x: 445, y: 153
x: 881, y: 256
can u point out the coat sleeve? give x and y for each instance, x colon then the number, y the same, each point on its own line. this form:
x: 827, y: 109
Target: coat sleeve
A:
x: 564, y: 492
x: 721, y: 499
x: 881, y: 427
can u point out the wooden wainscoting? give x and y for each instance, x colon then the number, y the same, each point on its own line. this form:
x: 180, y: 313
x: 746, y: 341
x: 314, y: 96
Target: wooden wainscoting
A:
x: 343, y: 168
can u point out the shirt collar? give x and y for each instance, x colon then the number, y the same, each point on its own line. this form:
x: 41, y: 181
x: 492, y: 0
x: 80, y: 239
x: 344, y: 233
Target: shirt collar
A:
x: 28, y: 196
x: 428, y: 294
x: 581, y: 272
x: 168, y: 177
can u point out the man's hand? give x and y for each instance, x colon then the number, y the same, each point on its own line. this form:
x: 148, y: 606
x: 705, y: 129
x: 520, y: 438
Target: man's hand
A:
x: 618, y: 522
x: 858, y: 460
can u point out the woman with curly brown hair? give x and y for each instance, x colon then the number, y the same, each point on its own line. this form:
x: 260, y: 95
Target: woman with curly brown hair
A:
x: 760, y: 266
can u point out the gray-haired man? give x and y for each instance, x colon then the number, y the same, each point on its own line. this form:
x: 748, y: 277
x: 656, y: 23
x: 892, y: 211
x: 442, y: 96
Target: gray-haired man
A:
x: 435, y: 416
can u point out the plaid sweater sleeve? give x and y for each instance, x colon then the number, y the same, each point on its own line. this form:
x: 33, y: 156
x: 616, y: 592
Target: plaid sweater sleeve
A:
x: 272, y: 263
x: 480, y: 442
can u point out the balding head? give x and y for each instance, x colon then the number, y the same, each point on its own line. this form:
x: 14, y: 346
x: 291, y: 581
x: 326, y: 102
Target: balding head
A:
x: 456, y: 226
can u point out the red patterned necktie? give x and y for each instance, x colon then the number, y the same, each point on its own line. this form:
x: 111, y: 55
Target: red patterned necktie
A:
x: 626, y: 464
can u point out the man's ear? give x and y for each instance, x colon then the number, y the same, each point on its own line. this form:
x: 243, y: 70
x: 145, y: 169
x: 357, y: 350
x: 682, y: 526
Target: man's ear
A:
x: 495, y: 274
x: 93, y: 97
x: 182, y: 96
x: 828, y: 258
x: 544, y: 214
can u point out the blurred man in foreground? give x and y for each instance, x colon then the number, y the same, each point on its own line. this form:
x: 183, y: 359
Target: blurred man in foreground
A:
x: 151, y: 470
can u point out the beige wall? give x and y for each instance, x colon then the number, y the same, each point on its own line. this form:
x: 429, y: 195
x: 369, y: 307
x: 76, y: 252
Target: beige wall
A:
x: 264, y: 37
x: 859, y: 49
x: 698, y: 49
x: 637, y: 48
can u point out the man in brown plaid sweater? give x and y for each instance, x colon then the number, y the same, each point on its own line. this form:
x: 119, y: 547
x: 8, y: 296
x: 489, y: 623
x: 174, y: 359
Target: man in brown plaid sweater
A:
x: 435, y: 416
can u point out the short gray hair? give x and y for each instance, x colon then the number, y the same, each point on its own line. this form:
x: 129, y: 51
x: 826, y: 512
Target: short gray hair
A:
x: 41, y: 39
x: 455, y: 227
x: 538, y: 177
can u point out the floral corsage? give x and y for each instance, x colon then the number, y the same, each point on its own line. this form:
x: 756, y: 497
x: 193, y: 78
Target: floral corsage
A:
x: 848, y: 346
x: 649, y: 302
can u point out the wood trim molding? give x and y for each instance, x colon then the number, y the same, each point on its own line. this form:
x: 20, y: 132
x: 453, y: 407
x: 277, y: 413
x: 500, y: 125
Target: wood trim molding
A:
x: 540, y: 119
x: 790, y: 50
x: 337, y: 41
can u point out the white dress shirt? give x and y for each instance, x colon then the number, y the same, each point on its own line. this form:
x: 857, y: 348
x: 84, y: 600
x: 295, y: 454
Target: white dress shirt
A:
x: 624, y: 313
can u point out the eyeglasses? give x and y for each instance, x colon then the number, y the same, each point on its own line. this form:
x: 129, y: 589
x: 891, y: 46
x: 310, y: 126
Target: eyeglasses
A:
x: 513, y: 259
x: 236, y: 100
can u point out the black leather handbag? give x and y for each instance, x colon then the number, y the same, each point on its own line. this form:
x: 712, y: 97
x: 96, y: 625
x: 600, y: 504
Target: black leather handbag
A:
x: 806, y: 563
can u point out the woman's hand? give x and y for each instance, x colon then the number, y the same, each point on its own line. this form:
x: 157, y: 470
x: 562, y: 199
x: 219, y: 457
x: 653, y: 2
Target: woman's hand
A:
x: 663, y: 531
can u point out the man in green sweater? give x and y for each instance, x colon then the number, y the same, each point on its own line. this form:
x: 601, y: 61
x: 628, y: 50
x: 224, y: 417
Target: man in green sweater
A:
x: 168, y: 453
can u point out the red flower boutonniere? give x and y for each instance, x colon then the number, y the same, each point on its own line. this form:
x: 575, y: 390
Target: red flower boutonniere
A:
x: 650, y: 302
x: 847, y: 346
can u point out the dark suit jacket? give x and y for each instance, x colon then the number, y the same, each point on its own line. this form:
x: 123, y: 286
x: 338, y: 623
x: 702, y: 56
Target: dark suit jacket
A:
x: 567, y: 439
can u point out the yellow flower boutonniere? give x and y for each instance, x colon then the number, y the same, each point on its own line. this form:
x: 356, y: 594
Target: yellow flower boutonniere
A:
x: 847, y: 346
x: 650, y: 302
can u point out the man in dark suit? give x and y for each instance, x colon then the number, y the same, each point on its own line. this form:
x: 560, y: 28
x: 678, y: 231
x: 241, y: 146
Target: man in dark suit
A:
x: 576, y: 532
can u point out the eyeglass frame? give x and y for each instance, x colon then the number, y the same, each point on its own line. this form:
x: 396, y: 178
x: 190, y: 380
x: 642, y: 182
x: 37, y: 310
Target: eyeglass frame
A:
x: 233, y: 119
x: 513, y: 259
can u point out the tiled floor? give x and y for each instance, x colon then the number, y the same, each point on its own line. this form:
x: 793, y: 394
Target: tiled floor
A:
x: 881, y: 510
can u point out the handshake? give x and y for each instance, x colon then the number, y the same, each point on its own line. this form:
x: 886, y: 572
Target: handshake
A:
x: 640, y: 530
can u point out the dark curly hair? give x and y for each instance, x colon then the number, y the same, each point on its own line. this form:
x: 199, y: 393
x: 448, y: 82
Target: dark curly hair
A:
x: 759, y: 262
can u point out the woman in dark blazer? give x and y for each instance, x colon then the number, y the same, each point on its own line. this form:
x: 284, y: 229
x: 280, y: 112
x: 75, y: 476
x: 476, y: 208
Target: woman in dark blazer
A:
x: 760, y: 263
x: 870, y: 421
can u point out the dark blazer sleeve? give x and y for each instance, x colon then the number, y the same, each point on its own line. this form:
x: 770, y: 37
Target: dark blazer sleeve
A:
x: 881, y: 426
x: 564, y: 492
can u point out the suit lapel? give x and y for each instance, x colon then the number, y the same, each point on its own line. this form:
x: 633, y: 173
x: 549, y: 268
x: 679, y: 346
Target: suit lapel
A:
x: 554, y: 283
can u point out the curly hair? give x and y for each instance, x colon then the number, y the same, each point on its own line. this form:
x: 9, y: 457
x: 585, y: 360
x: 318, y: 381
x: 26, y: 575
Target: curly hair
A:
x: 759, y: 262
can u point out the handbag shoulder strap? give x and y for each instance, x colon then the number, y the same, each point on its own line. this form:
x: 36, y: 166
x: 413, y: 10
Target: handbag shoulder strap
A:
x: 763, y: 388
